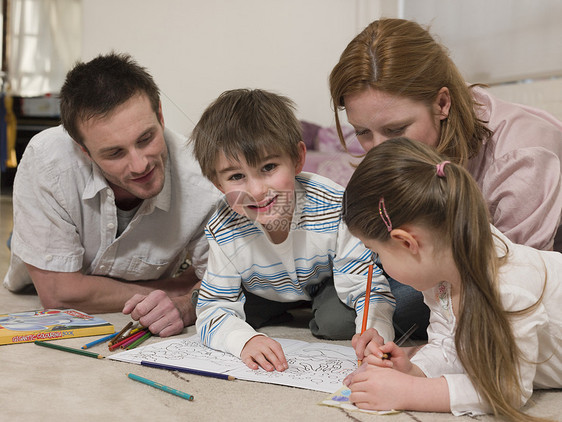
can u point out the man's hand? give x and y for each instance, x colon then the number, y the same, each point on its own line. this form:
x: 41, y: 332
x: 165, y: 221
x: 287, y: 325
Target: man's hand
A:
x: 162, y: 315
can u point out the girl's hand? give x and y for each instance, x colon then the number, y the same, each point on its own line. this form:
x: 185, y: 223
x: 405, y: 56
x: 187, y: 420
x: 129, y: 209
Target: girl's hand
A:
x: 367, y: 343
x: 376, y: 388
x: 390, y: 355
x: 265, y: 352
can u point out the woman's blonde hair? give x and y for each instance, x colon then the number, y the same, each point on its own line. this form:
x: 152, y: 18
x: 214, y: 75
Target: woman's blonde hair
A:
x: 400, y: 57
x: 404, y: 173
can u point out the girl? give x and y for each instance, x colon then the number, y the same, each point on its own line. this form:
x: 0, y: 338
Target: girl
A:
x: 495, y: 329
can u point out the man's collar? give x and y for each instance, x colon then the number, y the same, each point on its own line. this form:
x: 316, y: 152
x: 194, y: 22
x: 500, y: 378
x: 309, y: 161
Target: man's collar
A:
x: 163, y: 200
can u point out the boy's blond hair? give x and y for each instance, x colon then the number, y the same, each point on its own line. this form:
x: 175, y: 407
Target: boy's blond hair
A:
x: 246, y: 123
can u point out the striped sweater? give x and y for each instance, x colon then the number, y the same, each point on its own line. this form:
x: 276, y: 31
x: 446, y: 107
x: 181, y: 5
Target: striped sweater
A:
x: 317, y: 247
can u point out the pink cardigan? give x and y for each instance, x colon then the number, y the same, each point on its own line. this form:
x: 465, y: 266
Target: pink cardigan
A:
x: 519, y: 171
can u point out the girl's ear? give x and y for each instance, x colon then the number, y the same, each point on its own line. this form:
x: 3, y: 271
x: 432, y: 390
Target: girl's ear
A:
x: 405, y: 239
x: 302, y: 156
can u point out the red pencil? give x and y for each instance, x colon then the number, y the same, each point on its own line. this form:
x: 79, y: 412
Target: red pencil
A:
x: 131, y: 339
x: 367, y: 300
x: 125, y: 340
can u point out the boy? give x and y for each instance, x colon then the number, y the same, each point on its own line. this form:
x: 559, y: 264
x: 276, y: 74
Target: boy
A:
x: 279, y: 240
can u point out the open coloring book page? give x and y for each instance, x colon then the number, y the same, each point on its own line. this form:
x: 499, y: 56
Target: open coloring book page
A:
x: 314, y: 366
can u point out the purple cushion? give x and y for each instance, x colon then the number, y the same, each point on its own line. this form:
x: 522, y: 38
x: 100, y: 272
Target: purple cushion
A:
x: 309, y: 134
x: 328, y: 140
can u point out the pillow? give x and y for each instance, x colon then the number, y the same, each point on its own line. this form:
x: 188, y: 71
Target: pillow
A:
x: 309, y: 134
x: 329, y: 141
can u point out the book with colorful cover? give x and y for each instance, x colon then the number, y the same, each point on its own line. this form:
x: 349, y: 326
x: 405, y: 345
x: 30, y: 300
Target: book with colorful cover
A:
x: 50, y: 324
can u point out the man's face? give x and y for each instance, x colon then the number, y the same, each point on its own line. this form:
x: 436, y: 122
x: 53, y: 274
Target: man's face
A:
x: 128, y: 146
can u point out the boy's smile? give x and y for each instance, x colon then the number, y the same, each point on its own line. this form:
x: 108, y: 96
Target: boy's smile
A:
x: 265, y: 192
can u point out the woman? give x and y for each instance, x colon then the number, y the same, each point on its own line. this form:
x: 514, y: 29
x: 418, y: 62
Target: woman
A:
x: 394, y: 79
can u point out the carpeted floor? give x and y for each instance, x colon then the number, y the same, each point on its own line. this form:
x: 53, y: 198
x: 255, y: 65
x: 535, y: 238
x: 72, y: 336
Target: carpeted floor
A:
x: 47, y: 385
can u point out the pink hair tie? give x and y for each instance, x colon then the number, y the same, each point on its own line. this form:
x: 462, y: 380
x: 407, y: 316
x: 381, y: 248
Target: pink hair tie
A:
x: 441, y: 167
x: 384, y: 215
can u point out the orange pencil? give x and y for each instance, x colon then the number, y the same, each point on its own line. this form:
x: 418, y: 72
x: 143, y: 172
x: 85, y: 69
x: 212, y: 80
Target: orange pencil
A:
x: 366, y: 305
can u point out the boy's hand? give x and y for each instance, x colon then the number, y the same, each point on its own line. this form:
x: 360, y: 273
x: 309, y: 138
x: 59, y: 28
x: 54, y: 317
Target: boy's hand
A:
x: 367, y: 343
x: 265, y: 352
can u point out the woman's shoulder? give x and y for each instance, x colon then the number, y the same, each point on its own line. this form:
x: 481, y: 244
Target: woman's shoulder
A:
x: 517, y: 125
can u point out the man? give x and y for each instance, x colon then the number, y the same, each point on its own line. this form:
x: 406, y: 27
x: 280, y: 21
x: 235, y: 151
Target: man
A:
x: 108, y: 206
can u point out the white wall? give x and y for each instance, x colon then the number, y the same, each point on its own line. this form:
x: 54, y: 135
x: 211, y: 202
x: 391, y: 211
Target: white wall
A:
x: 496, y: 41
x: 196, y: 49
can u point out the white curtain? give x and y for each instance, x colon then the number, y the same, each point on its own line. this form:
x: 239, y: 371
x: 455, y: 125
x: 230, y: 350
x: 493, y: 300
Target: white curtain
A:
x: 44, y: 44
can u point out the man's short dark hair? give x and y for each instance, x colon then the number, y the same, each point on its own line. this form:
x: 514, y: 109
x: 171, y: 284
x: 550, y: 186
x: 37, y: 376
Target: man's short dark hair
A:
x: 96, y: 88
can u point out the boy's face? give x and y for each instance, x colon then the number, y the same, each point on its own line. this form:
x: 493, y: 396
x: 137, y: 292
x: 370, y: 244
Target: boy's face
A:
x: 264, y: 193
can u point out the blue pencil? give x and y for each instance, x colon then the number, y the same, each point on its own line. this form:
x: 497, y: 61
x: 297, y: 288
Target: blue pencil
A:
x: 187, y: 370
x: 161, y: 387
x: 99, y: 340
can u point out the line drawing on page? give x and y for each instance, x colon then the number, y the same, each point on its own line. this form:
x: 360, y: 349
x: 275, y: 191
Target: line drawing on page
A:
x: 314, y: 366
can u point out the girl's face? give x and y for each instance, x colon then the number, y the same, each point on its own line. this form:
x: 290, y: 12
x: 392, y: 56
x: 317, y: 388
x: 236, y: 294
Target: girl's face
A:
x: 401, y: 264
x: 378, y: 116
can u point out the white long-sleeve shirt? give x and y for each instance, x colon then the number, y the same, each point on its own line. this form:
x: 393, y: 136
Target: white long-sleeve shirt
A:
x: 318, y: 246
x: 537, y: 334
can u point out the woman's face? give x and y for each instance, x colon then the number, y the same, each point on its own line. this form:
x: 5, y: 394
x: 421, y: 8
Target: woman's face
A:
x: 378, y: 116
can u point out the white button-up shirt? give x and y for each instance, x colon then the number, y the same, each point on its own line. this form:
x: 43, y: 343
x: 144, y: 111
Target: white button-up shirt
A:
x: 65, y: 218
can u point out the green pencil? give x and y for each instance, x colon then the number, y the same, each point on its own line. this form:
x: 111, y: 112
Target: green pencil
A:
x: 139, y: 341
x: 68, y: 349
x: 161, y: 387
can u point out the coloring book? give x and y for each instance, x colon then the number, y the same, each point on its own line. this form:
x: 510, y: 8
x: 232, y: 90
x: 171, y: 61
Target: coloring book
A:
x: 313, y: 366
x: 50, y: 324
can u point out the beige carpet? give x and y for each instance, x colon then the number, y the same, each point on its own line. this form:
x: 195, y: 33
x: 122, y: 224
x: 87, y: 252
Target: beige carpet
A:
x: 47, y: 385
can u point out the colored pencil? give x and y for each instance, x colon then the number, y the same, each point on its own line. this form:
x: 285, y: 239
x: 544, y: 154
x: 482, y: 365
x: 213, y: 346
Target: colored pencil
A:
x: 367, y: 301
x: 99, y: 340
x: 161, y: 387
x: 126, y: 340
x: 137, y: 342
x: 132, y: 338
x: 136, y: 330
x: 119, y: 335
x: 187, y: 370
x: 402, y: 339
x: 68, y: 349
